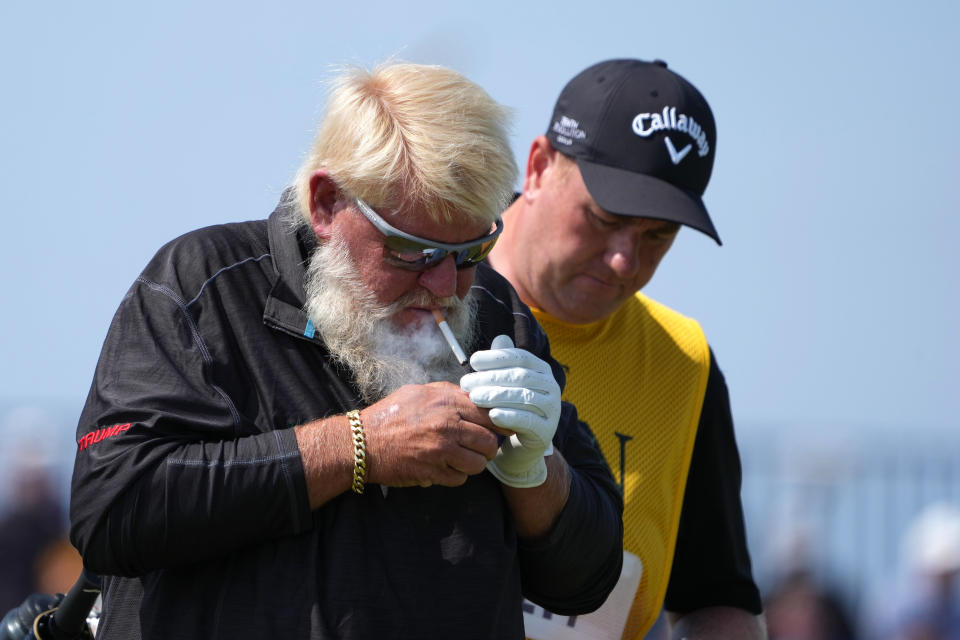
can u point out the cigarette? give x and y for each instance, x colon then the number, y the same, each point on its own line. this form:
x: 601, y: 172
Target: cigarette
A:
x: 448, y: 334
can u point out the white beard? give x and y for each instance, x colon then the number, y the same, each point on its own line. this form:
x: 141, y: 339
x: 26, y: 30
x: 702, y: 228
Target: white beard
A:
x: 360, y: 332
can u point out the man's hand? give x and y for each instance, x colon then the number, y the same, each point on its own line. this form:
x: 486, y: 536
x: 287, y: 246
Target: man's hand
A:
x: 426, y: 434
x: 523, y: 397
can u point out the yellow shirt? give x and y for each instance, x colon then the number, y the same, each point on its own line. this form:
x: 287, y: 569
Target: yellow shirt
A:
x: 638, y: 379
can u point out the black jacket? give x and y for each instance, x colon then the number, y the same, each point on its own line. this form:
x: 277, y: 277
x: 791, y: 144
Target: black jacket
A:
x: 188, y: 486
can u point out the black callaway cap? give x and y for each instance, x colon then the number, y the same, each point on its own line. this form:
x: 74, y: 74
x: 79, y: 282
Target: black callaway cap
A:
x: 643, y: 137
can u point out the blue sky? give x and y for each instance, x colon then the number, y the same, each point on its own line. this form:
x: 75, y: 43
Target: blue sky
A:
x: 833, y: 301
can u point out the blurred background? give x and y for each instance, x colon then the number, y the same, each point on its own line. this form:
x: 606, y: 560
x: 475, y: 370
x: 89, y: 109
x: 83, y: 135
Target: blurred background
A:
x: 831, y: 307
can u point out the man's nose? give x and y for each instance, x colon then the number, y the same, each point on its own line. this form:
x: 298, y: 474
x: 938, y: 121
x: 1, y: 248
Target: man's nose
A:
x: 623, y: 253
x: 441, y: 280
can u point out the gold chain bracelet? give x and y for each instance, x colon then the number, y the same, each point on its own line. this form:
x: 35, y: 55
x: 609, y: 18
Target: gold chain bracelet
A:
x: 359, y: 451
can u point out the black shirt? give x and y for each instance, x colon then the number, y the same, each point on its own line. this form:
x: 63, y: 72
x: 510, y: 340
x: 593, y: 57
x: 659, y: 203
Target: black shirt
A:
x: 189, y: 493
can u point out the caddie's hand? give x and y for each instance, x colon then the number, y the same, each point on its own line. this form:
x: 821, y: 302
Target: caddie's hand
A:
x: 523, y: 397
x: 427, y: 434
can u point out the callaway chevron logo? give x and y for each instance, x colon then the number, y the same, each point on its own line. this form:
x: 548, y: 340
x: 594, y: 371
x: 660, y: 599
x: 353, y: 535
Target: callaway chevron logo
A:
x: 676, y: 156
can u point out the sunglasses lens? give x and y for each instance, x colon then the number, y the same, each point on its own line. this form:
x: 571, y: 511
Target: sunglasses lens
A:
x: 407, y: 254
x: 475, y: 254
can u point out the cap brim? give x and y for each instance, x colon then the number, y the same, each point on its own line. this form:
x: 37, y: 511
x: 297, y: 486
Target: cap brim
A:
x: 627, y: 193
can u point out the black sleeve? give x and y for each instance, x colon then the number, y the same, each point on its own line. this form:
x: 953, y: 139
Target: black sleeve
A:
x: 574, y: 567
x: 167, y: 471
x: 711, y: 564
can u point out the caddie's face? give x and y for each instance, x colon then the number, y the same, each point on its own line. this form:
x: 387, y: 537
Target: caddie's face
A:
x: 422, y: 291
x: 582, y: 262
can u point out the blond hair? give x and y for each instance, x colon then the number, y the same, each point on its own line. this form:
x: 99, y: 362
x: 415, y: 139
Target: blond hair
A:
x: 407, y: 135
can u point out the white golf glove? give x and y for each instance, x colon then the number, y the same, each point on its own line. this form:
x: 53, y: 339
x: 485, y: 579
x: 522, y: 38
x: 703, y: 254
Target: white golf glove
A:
x: 523, y: 397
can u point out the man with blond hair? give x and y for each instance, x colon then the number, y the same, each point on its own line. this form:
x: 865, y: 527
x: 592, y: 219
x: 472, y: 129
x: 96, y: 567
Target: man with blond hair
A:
x: 279, y: 440
x: 624, y: 163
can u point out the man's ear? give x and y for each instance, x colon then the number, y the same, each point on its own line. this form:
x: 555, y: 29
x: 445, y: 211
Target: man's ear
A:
x: 323, y: 199
x: 540, y: 160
